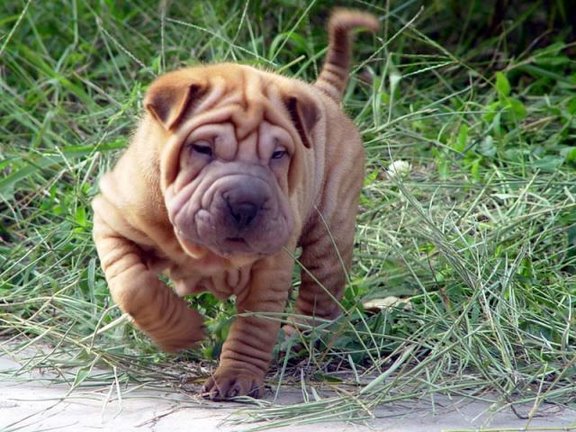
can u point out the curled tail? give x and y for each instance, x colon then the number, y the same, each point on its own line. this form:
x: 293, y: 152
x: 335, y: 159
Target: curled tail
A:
x: 334, y: 75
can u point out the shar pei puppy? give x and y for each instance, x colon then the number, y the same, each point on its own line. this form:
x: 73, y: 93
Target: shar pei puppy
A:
x: 230, y: 170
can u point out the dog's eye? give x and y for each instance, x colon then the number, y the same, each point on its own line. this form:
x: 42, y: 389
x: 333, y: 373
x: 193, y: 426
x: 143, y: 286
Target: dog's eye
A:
x: 279, y: 154
x: 201, y: 147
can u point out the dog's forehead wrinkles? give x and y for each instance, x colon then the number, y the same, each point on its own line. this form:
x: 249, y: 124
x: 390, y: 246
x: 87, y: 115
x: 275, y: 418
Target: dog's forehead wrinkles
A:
x: 248, y: 95
x: 251, y: 113
x: 244, y: 89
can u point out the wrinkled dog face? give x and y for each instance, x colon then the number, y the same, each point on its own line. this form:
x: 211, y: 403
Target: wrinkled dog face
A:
x: 228, y: 164
x: 230, y: 195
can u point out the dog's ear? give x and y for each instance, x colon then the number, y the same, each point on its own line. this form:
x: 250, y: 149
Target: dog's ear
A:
x: 304, y: 114
x: 170, y: 96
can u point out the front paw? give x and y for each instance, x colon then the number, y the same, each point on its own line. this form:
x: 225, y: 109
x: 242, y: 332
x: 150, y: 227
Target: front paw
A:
x: 228, y: 383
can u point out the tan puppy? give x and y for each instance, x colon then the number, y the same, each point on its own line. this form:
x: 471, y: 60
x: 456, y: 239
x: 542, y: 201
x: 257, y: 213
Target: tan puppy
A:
x: 230, y: 170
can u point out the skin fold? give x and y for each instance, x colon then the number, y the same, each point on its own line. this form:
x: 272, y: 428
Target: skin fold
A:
x: 230, y: 169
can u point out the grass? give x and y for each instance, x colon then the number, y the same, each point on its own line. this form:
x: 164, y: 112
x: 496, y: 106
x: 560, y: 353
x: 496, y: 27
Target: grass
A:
x: 477, y: 238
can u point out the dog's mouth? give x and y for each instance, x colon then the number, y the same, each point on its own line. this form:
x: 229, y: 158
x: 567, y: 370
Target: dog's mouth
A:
x: 236, y: 240
x: 236, y: 245
x: 226, y: 247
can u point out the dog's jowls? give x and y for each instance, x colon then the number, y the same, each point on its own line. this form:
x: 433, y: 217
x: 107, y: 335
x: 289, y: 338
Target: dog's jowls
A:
x: 230, y: 170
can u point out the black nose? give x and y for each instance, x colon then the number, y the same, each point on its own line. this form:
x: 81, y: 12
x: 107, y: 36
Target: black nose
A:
x: 243, y: 214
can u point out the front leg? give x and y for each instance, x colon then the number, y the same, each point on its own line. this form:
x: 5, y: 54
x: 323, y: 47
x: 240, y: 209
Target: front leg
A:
x: 247, y: 352
x: 136, y: 289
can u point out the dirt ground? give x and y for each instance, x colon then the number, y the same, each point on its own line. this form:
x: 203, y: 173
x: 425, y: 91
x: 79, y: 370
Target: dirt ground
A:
x: 29, y: 404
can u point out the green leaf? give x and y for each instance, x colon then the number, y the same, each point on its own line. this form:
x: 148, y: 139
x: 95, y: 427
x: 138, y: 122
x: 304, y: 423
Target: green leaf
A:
x: 571, y: 106
x: 548, y: 163
x: 443, y: 167
x: 82, y: 374
x: 517, y: 109
x: 560, y: 60
x: 475, y: 169
x: 487, y: 147
x: 502, y: 85
x: 491, y: 110
x: 462, y: 140
x: 569, y: 154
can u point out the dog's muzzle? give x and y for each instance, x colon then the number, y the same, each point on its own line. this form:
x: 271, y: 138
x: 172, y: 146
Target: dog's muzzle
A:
x: 240, y: 213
